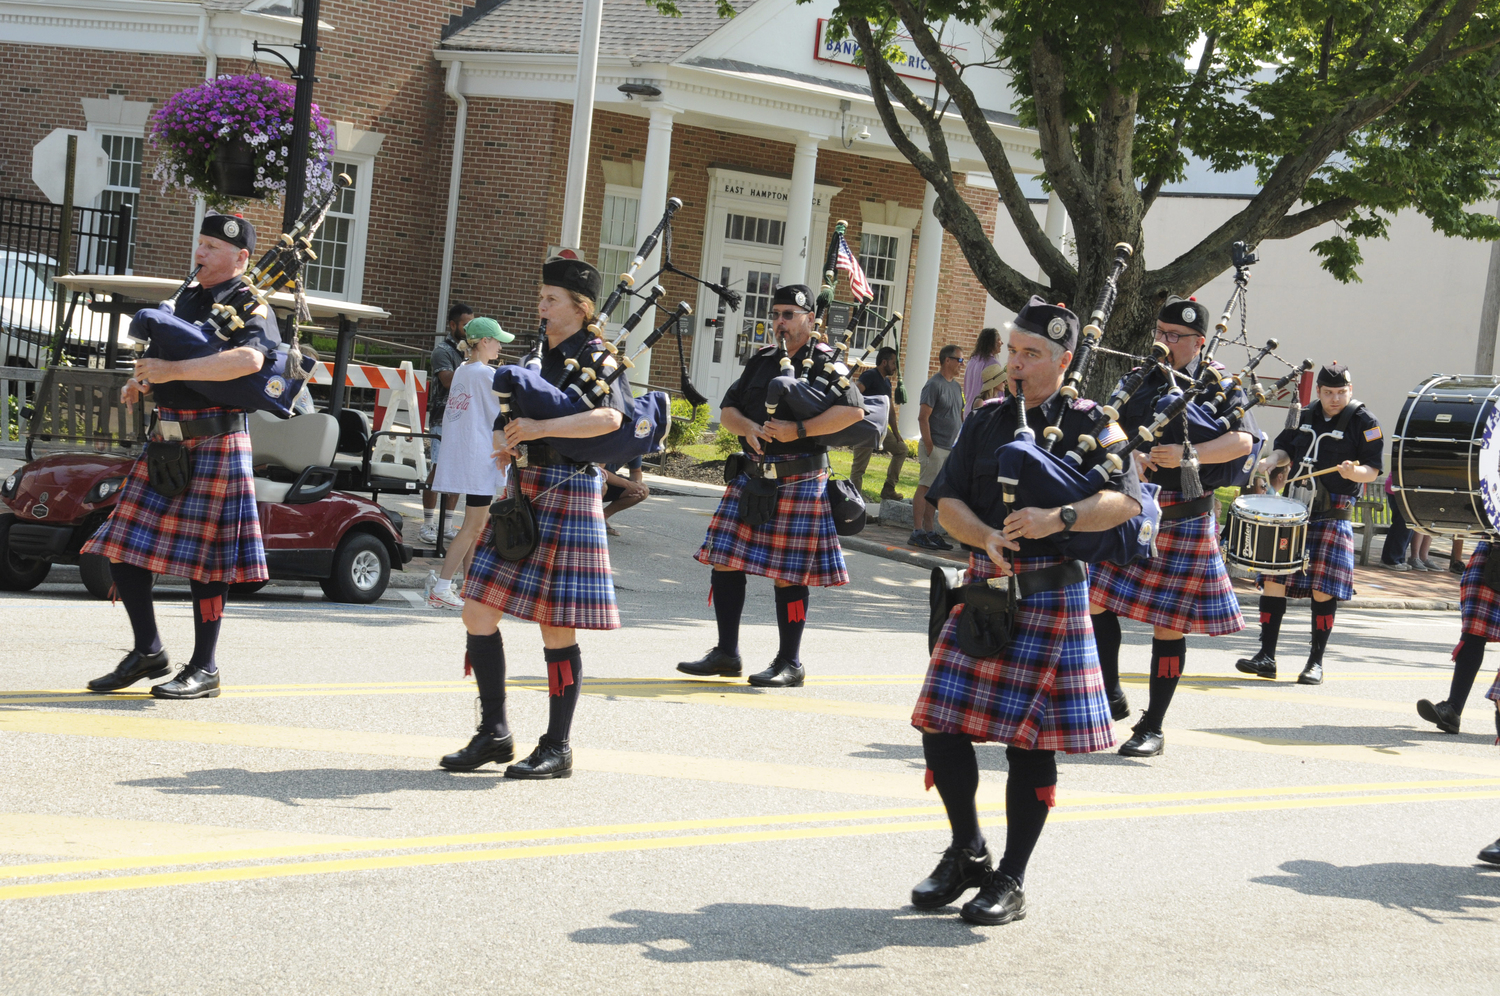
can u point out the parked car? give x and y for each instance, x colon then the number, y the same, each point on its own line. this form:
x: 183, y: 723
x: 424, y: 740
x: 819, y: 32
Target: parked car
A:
x: 347, y: 543
x: 28, y: 314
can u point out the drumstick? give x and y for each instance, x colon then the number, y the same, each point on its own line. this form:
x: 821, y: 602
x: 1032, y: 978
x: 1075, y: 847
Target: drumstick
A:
x: 1316, y: 473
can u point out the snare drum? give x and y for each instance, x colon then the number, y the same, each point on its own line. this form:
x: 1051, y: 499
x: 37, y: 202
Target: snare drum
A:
x: 1267, y: 534
x: 1446, y: 457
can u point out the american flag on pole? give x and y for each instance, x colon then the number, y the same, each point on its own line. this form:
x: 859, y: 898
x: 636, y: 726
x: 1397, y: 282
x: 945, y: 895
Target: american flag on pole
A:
x: 849, y: 263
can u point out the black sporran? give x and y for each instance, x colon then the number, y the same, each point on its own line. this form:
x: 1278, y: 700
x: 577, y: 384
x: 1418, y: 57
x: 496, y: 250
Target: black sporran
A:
x: 734, y: 466
x: 513, y: 526
x: 169, y: 467
x: 758, y: 501
x: 945, y: 593
x: 988, y: 619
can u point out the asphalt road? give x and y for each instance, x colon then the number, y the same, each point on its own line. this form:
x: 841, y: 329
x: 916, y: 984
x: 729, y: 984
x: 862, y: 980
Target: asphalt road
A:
x: 296, y: 836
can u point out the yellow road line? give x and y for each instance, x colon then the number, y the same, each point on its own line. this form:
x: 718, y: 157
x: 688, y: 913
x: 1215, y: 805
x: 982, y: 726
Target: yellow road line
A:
x: 430, y: 859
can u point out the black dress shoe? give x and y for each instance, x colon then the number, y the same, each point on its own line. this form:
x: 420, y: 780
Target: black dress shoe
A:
x: 1000, y: 900
x: 549, y: 760
x: 133, y: 668
x: 715, y: 663
x: 483, y: 749
x: 1147, y: 742
x: 190, y: 683
x: 1311, y: 675
x: 1491, y: 853
x: 1119, y: 705
x: 1440, y: 714
x: 959, y: 871
x: 1262, y: 665
x: 781, y: 674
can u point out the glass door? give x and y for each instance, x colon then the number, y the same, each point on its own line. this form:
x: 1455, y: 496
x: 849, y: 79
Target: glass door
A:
x: 735, y: 336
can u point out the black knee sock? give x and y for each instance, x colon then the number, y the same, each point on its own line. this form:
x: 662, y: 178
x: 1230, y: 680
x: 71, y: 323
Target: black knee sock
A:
x: 955, y: 774
x: 133, y: 586
x: 791, y: 619
x: 1272, y: 608
x: 1107, y: 640
x: 564, y: 677
x: 486, y: 658
x: 208, y: 611
x: 1468, y: 658
x: 726, y: 590
x: 1030, y: 790
x: 1167, y: 658
x: 1322, y: 628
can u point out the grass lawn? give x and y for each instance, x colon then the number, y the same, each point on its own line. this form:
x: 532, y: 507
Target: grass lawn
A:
x: 839, y: 461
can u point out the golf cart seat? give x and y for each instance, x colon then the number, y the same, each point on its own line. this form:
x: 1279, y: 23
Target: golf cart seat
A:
x: 293, y: 457
x: 356, y: 445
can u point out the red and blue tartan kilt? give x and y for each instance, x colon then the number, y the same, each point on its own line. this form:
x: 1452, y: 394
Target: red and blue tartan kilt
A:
x: 1044, y: 692
x: 1478, y: 603
x: 1184, y: 587
x: 1330, y: 547
x: 210, y: 532
x: 798, y: 546
x: 566, y: 581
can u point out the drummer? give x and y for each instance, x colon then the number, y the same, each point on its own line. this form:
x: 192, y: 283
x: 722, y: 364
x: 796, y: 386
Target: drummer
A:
x: 1339, y: 441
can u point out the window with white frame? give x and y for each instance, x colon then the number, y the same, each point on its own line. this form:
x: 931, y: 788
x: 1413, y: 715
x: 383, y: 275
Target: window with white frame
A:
x: 334, y: 243
x: 126, y: 153
x: 617, y: 234
x: 883, y: 255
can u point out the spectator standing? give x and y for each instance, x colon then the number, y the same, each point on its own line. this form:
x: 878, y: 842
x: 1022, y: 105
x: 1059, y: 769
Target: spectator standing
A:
x: 986, y: 355
x: 447, y: 357
x: 1393, y: 554
x: 467, y: 468
x: 876, y: 383
x: 942, y: 412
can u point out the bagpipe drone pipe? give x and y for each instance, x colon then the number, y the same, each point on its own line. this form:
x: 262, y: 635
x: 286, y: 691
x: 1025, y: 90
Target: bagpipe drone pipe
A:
x: 1032, y: 476
x: 823, y: 380
x: 276, y: 384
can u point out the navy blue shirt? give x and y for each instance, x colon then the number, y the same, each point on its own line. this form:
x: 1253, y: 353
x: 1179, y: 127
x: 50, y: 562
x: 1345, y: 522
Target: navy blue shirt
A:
x: 874, y: 384
x: 1141, y: 409
x: 970, y: 472
x: 748, y: 395
x: 196, y: 305
x: 1363, y: 442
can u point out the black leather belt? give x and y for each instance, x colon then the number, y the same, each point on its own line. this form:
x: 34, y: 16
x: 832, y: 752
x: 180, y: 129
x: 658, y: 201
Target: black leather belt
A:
x: 198, y: 428
x: 1336, y: 514
x: 787, y: 468
x: 543, y: 455
x: 1187, y: 509
x: 1053, y: 578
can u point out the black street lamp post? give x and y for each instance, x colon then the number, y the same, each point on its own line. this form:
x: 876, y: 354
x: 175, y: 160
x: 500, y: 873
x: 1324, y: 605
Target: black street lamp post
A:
x: 296, y: 178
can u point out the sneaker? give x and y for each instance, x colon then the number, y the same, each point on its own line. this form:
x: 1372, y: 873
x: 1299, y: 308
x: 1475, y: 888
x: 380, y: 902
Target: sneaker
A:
x: 1403, y: 566
x: 449, y: 532
x: 1434, y: 568
x: 429, y: 583
x: 428, y: 533
x: 445, y: 600
x: 1416, y: 565
x: 918, y: 538
x: 937, y: 541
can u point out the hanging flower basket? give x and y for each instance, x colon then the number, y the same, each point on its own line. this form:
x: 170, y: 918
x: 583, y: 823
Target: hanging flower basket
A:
x: 229, y: 139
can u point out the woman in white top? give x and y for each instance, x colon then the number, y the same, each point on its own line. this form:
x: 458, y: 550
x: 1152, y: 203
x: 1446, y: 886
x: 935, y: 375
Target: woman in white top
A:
x: 464, y: 465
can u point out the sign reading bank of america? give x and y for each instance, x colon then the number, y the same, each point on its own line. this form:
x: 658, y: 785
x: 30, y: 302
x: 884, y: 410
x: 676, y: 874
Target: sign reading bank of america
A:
x: 846, y: 49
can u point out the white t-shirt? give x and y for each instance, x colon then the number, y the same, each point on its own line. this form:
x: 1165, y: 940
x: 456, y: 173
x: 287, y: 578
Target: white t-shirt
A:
x: 465, y: 466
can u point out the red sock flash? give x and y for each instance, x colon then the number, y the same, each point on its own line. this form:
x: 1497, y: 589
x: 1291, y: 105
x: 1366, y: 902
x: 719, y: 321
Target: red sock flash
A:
x: 796, y: 611
x: 211, y: 609
x: 559, y: 676
x: 1169, y: 667
x: 1047, y: 794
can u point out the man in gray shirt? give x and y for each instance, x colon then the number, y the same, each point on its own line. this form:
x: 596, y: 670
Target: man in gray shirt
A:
x: 942, y: 413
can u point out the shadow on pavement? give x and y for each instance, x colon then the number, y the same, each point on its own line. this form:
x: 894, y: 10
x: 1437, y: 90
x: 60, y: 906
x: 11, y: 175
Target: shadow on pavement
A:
x: 289, y: 787
x: 794, y: 938
x: 1424, y: 890
x: 1375, y: 737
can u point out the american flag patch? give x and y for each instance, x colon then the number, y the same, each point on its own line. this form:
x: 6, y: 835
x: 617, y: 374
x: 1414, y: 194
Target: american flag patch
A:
x: 1113, y: 434
x: 1372, y: 434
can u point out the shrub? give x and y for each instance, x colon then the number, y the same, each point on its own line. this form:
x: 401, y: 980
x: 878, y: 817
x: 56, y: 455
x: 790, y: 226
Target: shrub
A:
x: 911, y: 447
x: 688, y: 425
x: 726, y: 442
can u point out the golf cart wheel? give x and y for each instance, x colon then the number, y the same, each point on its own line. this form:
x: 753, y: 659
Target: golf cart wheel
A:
x: 247, y: 587
x: 94, y: 570
x: 361, y: 570
x: 18, y: 573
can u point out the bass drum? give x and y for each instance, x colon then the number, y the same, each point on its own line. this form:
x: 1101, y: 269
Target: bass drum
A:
x: 1445, y: 456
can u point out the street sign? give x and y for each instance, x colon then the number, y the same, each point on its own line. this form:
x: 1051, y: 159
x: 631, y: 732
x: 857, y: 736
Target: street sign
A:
x: 49, y: 160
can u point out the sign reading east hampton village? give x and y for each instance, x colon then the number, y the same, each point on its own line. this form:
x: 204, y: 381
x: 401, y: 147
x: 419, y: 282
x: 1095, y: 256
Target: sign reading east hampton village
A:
x: 846, y: 49
x: 771, y: 190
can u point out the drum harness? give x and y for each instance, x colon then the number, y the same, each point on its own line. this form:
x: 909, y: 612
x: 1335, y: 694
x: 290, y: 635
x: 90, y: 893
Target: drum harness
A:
x: 1316, y: 497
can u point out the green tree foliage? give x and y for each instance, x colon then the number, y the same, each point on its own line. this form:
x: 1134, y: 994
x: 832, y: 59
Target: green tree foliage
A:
x: 1348, y: 111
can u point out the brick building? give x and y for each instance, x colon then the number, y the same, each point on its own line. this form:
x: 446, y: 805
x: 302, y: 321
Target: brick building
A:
x: 762, y: 127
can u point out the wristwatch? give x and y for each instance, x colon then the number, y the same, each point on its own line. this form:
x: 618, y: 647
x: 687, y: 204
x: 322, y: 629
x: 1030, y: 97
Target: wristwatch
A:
x: 801, y: 430
x: 1069, y: 516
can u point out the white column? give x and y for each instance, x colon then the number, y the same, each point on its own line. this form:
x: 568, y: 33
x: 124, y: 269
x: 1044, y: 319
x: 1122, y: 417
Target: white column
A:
x: 796, y: 250
x: 654, y: 194
x: 914, y: 365
x: 583, y: 125
x: 1055, y: 227
x: 453, y: 86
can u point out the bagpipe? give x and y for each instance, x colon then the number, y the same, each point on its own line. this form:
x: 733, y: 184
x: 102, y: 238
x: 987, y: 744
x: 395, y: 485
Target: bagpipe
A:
x: 823, y: 379
x: 1032, y: 476
x: 160, y: 333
